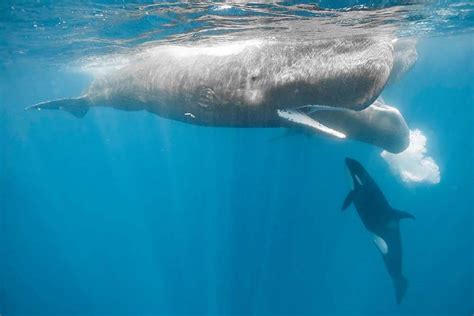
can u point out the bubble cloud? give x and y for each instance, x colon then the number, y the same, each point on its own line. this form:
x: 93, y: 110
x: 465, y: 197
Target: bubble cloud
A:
x: 412, y: 165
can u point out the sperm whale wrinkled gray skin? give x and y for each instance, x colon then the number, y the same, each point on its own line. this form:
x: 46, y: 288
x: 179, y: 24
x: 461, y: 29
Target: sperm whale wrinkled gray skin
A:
x: 258, y: 83
x: 381, y: 220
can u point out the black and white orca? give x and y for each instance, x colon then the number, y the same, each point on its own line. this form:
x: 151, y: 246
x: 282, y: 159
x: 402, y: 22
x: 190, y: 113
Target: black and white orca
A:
x: 381, y: 220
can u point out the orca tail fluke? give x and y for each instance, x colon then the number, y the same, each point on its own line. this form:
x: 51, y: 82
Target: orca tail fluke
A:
x: 76, y: 106
x: 401, y: 285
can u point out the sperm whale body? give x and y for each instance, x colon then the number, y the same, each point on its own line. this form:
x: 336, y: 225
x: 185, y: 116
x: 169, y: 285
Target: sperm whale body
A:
x: 257, y: 83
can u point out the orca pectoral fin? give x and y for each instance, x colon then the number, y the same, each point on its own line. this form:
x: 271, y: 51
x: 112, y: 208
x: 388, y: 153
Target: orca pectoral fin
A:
x: 348, y: 200
x: 298, y: 117
x: 76, y: 106
x: 401, y: 215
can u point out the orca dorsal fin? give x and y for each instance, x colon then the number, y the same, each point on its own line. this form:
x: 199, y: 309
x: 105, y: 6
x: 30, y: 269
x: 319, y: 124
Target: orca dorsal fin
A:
x: 348, y: 200
x: 402, y: 214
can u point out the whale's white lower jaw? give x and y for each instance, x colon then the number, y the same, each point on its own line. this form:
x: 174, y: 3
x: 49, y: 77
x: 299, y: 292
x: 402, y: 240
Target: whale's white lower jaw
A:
x: 298, y: 117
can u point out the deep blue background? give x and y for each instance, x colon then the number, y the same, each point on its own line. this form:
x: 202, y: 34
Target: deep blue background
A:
x: 129, y: 213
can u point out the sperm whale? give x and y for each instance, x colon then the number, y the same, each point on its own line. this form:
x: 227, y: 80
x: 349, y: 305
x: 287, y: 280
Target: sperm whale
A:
x: 254, y: 83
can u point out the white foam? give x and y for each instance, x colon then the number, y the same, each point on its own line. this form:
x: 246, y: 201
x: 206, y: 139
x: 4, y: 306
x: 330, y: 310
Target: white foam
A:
x: 412, y: 165
x: 222, y: 7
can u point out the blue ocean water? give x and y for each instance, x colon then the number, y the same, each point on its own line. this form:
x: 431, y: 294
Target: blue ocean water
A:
x: 129, y: 213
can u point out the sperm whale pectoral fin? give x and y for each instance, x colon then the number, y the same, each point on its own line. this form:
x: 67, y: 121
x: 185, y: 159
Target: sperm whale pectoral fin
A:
x: 381, y: 244
x: 348, y: 200
x: 76, y: 106
x: 298, y: 117
x: 402, y: 214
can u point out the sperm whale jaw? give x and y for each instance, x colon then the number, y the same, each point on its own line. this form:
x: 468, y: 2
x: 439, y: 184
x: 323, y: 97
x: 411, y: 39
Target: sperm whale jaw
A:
x: 299, y: 117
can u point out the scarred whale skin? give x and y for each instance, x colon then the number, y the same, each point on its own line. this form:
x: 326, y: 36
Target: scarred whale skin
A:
x: 243, y: 83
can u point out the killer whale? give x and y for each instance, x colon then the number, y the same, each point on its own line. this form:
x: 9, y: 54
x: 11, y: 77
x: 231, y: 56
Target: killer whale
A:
x: 381, y: 220
x: 318, y: 85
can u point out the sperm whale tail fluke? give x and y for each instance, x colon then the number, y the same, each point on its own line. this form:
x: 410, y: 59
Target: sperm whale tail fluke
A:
x: 401, y: 285
x: 76, y: 106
